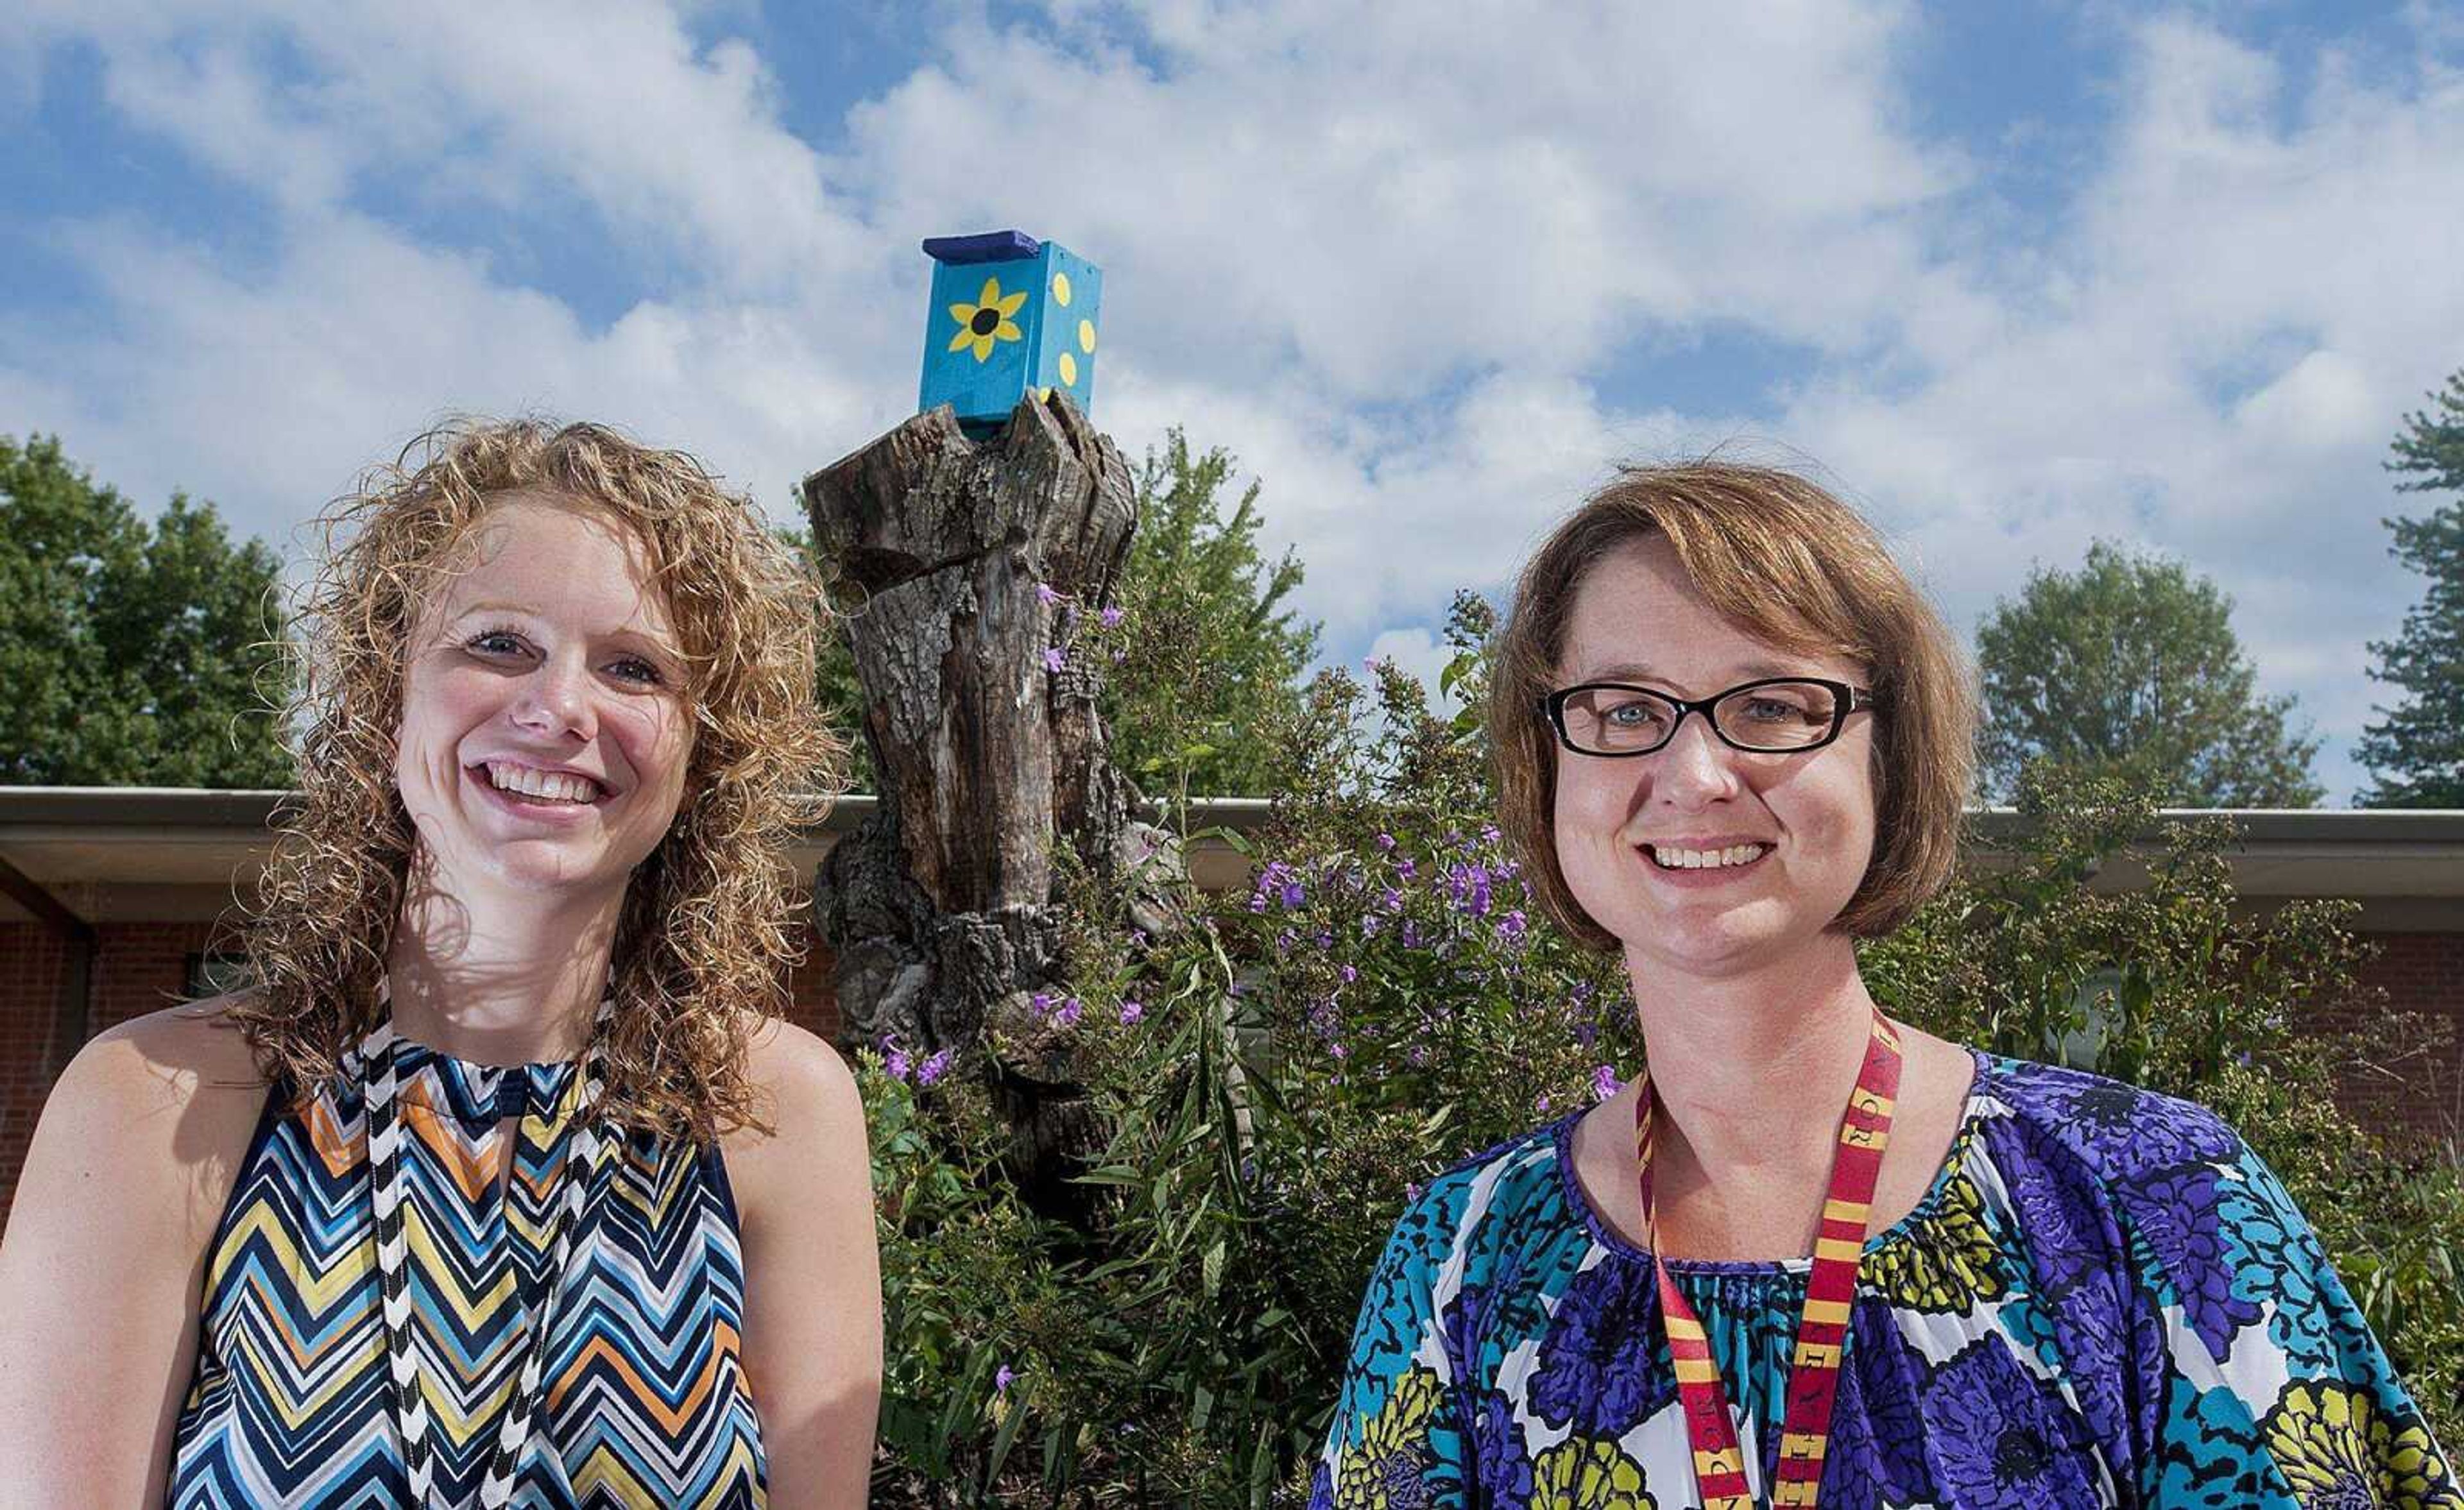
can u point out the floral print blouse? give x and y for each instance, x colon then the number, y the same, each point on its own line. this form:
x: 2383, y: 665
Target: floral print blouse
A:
x: 2104, y: 1299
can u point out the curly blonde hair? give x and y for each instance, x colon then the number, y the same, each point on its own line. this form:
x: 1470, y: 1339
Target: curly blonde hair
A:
x: 705, y: 937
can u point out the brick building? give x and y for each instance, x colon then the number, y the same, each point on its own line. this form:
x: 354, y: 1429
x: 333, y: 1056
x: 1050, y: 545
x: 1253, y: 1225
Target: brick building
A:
x: 109, y: 898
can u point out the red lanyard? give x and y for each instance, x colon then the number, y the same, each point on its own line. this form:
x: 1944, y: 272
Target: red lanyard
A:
x: 1822, y: 1332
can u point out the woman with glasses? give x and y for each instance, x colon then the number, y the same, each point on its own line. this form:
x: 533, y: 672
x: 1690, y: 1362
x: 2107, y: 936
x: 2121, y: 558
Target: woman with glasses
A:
x: 1815, y: 1256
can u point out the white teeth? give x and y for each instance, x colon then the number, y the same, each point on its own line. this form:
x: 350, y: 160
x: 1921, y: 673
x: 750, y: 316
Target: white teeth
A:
x: 1706, y: 859
x: 555, y: 786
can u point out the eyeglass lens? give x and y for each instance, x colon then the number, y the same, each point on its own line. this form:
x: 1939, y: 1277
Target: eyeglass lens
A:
x: 1776, y: 715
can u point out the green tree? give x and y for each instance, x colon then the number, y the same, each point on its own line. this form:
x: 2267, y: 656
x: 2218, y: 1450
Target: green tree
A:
x: 1217, y: 656
x: 133, y: 653
x: 2130, y: 667
x: 2415, y: 753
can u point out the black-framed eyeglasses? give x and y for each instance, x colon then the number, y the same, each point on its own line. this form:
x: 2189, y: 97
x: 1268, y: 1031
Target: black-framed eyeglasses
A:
x: 1777, y: 715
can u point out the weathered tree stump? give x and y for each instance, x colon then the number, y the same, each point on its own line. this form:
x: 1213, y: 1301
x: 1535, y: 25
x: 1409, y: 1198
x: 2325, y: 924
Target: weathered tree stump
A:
x: 940, y: 907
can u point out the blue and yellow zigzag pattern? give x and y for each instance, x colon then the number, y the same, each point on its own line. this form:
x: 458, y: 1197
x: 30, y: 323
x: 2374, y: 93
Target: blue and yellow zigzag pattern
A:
x: 647, y: 1401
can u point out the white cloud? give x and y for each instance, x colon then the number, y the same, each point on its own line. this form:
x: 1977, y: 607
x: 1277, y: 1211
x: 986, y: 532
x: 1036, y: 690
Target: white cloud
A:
x: 1385, y: 201
x: 1387, y: 261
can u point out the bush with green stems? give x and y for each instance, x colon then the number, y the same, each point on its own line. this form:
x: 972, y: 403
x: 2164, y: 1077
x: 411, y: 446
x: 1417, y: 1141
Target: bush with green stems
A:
x: 1275, y: 1072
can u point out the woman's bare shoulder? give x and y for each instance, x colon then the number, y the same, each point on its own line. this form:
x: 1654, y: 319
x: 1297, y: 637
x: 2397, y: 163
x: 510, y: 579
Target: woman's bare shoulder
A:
x: 805, y: 1096
x: 175, y: 1093
x: 169, y: 1059
x: 799, y: 1081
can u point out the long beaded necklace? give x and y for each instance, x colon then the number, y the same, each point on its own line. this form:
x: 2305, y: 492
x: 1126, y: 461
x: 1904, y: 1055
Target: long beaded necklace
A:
x: 581, y: 1175
x: 1821, y: 1330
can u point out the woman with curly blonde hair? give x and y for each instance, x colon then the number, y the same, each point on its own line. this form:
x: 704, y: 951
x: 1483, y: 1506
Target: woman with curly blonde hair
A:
x: 503, y: 1181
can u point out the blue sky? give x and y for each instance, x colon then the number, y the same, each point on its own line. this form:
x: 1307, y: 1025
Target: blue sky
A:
x: 2016, y: 276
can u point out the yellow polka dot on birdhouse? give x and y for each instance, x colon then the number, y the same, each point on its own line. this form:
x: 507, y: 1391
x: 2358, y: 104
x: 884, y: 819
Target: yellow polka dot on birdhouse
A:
x: 1061, y: 289
x: 1087, y: 337
x: 1069, y: 368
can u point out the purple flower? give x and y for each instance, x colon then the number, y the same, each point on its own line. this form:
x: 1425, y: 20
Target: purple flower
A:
x: 1350, y: 974
x: 1294, y: 894
x: 1406, y: 869
x: 1054, y: 660
x: 1542, y: 1105
x: 1392, y: 901
x: 1605, y: 1083
x: 1410, y: 935
x: 1132, y: 1014
x: 1468, y: 886
x: 1044, y: 592
x: 1513, y: 923
x: 1042, y: 1002
x: 1001, y: 1377
x: 1488, y: 834
x: 1325, y: 939
x: 1386, y: 841
x: 1112, y: 618
x: 1369, y: 924
x: 934, y: 1068
x: 1067, y: 1015
x: 895, y: 1063
x: 1339, y: 1050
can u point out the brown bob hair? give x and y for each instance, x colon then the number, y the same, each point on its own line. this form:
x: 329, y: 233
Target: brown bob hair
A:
x: 706, y: 934
x: 1790, y: 564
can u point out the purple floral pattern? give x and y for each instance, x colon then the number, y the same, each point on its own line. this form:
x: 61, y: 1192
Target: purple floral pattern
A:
x: 2000, y: 1439
x: 1593, y: 1375
x: 2024, y: 1339
x: 2176, y: 1215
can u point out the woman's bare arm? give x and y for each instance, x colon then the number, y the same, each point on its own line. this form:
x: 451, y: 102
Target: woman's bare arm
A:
x: 100, y: 1267
x: 812, y: 1269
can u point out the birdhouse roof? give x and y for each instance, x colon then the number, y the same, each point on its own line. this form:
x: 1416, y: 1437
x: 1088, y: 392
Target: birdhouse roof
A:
x: 991, y: 246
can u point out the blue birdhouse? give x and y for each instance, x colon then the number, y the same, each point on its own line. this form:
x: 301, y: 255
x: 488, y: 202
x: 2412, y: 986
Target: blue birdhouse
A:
x: 1010, y: 315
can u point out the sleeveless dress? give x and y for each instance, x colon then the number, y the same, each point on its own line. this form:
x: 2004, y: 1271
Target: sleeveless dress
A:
x: 645, y: 1402
x: 2104, y: 1299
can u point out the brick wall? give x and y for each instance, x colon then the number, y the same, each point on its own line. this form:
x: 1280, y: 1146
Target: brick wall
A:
x: 142, y: 967
x: 138, y: 968
x: 30, y: 961
x: 2420, y: 973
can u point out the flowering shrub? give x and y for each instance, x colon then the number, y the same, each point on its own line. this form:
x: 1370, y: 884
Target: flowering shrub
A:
x: 1273, y: 1074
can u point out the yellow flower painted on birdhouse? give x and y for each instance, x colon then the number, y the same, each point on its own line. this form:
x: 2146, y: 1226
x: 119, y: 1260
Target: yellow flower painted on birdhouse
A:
x: 987, y: 320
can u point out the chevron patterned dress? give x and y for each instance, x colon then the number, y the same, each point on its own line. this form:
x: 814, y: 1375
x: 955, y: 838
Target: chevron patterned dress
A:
x: 645, y: 1400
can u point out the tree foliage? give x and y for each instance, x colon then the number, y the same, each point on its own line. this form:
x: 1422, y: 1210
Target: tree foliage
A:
x: 134, y: 654
x: 2129, y: 665
x: 2415, y: 752
x: 1217, y: 656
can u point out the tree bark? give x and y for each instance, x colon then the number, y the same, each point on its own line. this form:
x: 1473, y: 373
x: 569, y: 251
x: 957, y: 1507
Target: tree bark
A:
x: 941, y: 908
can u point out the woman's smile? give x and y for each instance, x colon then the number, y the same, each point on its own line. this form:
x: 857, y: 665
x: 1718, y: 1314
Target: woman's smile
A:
x: 538, y: 792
